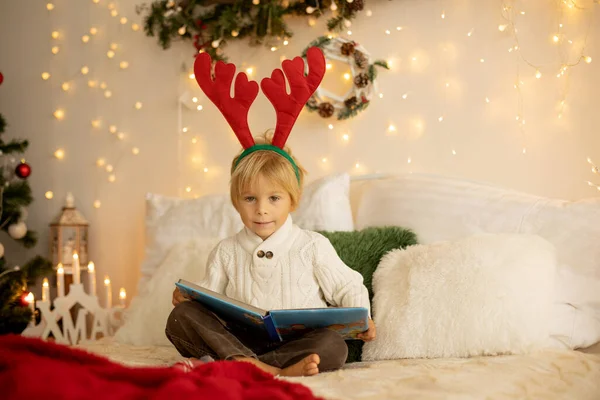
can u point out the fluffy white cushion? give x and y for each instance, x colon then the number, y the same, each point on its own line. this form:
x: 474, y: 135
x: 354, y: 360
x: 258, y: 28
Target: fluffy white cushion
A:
x: 146, y: 316
x: 325, y: 205
x: 439, y: 208
x: 482, y: 295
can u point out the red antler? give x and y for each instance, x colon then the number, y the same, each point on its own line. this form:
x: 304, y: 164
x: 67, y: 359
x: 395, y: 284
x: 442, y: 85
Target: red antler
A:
x: 235, y: 110
x: 301, y: 88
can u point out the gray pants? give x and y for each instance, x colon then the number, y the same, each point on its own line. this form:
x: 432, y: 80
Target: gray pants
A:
x: 197, y: 332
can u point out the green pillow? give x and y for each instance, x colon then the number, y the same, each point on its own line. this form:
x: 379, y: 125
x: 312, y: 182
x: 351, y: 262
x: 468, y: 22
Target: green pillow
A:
x: 361, y: 251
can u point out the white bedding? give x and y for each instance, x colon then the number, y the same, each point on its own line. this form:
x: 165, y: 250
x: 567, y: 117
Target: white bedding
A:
x: 549, y: 374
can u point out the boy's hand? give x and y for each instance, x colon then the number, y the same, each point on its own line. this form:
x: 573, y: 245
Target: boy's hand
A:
x: 178, y: 297
x: 370, y: 333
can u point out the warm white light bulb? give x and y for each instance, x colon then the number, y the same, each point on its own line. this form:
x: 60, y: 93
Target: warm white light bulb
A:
x: 112, y: 129
x: 109, y: 168
x: 346, y: 76
x: 55, y: 49
x: 85, y: 38
x: 123, y: 20
x: 45, y: 76
x: 112, y: 178
x: 50, y: 6
x: 330, y: 126
x: 135, y: 27
x: 66, y: 86
x: 110, y: 54
x: 346, y: 137
x: 195, y: 99
x: 108, y: 94
x: 138, y: 105
x: 59, y: 154
x: 97, y: 204
x: 123, y: 65
x: 199, y: 108
x: 85, y: 70
x: 588, y: 59
x: 59, y: 114
x: 55, y: 35
x: 538, y: 74
x: 135, y: 151
x: 93, y: 30
x: 100, y: 162
x: 49, y: 195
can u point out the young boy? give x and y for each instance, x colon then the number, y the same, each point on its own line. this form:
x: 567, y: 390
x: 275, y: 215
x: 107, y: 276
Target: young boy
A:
x: 272, y: 264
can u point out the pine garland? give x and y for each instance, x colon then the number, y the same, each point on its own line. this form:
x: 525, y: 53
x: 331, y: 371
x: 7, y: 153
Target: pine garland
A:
x: 211, y: 24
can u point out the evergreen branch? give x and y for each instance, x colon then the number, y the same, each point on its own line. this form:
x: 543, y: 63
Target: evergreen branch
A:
x: 14, y: 146
x: 29, y: 240
x: 2, y: 124
x: 335, y: 23
x: 381, y: 63
x: 352, y: 111
x: 372, y: 73
x: 318, y: 42
x: 36, y: 268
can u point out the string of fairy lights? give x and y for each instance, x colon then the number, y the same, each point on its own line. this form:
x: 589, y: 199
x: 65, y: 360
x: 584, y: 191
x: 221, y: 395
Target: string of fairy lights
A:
x: 92, y: 77
x: 515, y: 17
x: 511, y: 11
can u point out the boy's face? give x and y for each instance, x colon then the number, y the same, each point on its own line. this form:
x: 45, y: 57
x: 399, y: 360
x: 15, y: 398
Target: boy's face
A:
x: 264, y: 207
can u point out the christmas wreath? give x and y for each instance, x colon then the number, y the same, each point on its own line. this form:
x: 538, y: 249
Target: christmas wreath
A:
x: 210, y: 24
x: 362, y: 72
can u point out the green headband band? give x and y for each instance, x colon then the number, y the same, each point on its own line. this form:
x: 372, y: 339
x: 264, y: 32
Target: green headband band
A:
x: 269, y: 147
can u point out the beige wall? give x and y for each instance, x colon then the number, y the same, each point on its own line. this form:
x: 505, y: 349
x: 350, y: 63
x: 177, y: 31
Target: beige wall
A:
x: 485, y: 137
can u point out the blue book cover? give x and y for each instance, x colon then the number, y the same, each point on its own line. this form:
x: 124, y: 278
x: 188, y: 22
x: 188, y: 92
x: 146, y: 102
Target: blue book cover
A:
x: 278, y: 325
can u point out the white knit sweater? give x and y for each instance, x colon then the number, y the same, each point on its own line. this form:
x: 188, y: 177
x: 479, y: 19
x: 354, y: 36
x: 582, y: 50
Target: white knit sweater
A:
x: 304, y: 271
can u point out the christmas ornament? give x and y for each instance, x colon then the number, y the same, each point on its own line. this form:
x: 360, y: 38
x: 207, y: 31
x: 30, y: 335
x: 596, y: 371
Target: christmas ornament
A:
x: 1, y: 78
x: 17, y: 231
x: 326, y: 109
x: 1, y: 250
x: 362, y: 73
x: 23, y: 170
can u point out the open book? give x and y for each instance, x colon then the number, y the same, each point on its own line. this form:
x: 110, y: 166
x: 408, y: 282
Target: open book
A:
x: 278, y: 325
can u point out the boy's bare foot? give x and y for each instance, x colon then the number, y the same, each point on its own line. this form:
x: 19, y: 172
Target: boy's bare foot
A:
x: 308, y: 366
x: 265, y: 367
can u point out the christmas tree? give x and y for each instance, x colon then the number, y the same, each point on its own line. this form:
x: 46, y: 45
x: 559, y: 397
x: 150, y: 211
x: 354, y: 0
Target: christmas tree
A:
x: 15, y: 196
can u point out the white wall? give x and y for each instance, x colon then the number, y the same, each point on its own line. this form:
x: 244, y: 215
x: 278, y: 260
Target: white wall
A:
x: 486, y: 137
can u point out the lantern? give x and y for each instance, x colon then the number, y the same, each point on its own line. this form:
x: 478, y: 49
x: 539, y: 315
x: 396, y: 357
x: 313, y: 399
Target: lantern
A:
x: 69, y: 235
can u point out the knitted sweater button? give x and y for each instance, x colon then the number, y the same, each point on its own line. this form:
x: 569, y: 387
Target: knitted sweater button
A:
x: 260, y: 254
x: 269, y: 254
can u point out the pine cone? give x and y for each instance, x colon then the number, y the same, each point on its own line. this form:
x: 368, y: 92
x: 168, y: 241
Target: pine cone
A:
x: 361, y: 80
x: 357, y: 5
x: 361, y: 60
x: 347, y: 49
x: 351, y: 101
x: 326, y: 109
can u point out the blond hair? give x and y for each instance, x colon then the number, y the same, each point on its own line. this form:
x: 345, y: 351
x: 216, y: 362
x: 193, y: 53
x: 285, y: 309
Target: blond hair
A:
x: 271, y: 166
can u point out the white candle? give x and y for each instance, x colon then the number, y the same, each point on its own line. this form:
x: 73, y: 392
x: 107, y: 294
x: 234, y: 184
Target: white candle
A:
x: 122, y: 296
x: 92, y: 277
x: 30, y: 299
x: 108, y: 292
x: 76, y: 269
x: 60, y: 280
x: 45, y: 290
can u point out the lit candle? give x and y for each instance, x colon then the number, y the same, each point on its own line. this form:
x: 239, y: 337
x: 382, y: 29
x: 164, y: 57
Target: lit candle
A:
x: 30, y: 299
x: 122, y: 296
x: 45, y: 290
x: 92, y: 278
x: 108, y: 292
x: 60, y: 281
x: 76, y: 269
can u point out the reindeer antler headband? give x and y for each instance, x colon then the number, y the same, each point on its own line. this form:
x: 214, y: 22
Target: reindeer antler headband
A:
x: 287, y: 106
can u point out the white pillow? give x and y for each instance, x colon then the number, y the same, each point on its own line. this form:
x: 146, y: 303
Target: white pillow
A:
x: 146, y: 316
x: 439, y: 208
x: 325, y: 205
x: 482, y: 295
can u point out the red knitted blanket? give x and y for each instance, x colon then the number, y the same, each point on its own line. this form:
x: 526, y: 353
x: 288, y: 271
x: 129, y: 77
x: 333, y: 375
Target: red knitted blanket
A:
x: 35, y: 369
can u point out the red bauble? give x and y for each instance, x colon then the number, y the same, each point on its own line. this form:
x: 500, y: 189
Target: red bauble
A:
x: 1, y: 78
x: 23, y: 170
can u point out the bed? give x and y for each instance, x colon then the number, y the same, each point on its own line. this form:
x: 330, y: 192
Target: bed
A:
x: 551, y: 374
x: 571, y: 372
